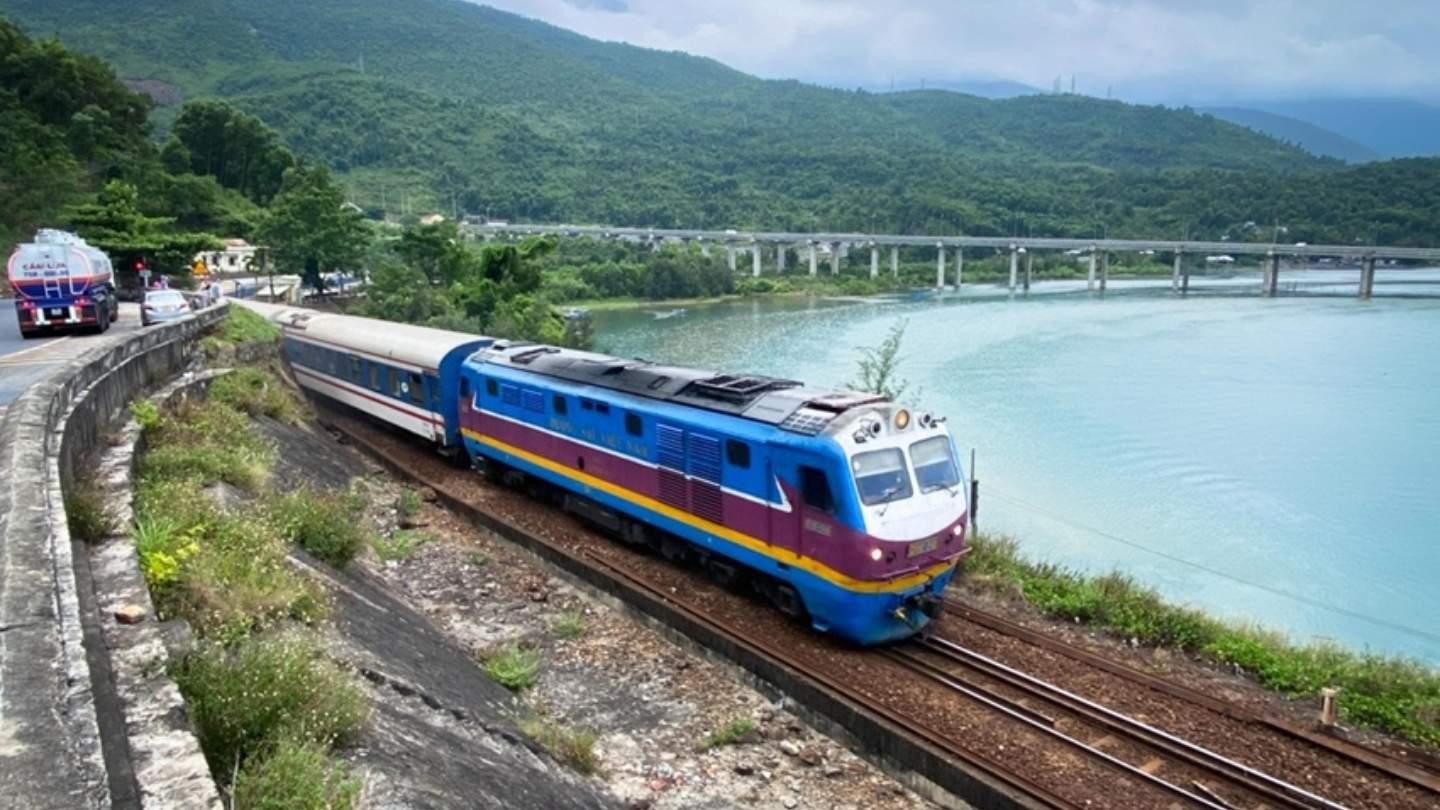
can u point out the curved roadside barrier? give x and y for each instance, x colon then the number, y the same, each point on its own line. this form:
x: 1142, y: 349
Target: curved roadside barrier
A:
x: 68, y: 737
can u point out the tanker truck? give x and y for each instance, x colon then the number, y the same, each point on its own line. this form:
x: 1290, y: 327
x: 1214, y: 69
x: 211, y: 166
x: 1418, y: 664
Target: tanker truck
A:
x: 62, y: 284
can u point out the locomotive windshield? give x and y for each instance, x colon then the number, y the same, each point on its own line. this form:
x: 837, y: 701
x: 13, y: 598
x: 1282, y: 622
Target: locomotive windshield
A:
x: 934, y: 464
x: 881, y: 477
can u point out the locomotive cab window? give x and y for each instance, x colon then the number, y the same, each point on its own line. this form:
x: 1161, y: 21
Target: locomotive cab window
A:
x: 561, y: 406
x: 632, y: 424
x: 737, y: 453
x: 601, y: 407
x: 934, y: 462
x: 815, y: 489
x: 881, y: 476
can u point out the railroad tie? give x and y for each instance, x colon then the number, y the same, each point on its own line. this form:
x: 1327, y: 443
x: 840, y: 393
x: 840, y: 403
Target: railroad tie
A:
x: 1152, y: 765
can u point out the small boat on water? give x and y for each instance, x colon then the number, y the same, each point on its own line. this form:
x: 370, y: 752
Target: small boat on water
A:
x: 669, y: 313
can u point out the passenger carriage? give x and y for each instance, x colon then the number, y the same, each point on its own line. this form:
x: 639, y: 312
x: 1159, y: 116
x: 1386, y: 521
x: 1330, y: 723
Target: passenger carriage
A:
x: 850, y: 508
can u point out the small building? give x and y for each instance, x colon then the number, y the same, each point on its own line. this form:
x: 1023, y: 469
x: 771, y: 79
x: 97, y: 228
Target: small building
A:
x: 238, y: 256
x: 432, y: 219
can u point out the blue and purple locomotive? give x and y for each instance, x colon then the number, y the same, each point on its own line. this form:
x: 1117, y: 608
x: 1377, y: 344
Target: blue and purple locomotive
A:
x: 844, y: 509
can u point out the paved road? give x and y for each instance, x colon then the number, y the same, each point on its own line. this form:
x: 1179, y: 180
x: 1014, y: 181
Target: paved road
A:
x: 23, y: 362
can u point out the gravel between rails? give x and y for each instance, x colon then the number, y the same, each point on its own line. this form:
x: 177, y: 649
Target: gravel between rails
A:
x: 1040, y: 758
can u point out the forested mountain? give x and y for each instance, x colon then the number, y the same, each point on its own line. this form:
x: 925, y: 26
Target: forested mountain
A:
x: 452, y: 106
x: 1301, y: 133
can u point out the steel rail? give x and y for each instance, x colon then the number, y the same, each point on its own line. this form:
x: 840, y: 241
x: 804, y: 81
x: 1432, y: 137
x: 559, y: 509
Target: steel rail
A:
x: 1350, y: 751
x: 1249, y: 778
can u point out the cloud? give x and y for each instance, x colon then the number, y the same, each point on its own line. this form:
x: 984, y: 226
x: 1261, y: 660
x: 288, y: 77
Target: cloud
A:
x: 1172, y: 50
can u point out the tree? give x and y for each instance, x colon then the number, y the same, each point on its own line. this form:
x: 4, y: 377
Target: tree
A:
x: 237, y: 149
x: 309, y: 230
x: 115, y: 224
x: 879, y: 366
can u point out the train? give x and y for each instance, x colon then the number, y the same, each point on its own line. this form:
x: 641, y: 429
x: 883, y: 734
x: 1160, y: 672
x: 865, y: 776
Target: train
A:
x: 843, y: 509
x: 61, y: 284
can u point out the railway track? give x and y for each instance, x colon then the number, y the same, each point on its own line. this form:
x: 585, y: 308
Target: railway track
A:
x: 1341, y: 748
x: 1204, y: 778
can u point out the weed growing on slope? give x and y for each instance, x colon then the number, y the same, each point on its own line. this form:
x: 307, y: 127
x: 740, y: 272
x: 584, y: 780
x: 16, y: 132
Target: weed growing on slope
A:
x: 295, y: 776
x: 574, y: 747
x: 323, y: 523
x: 514, y: 667
x: 87, y: 514
x: 258, y: 392
x: 265, y: 690
x: 728, y: 734
x: 570, y: 624
x: 401, y: 545
x: 409, y: 504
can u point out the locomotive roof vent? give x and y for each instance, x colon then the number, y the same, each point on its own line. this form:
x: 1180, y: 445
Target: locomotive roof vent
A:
x: 739, y: 388
x: 528, y: 356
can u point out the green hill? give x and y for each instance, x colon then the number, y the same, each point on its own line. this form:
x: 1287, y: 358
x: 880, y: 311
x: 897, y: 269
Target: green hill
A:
x: 1306, y: 135
x: 442, y: 104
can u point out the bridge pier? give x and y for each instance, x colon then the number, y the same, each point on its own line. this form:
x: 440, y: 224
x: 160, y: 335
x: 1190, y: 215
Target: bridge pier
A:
x: 1104, y: 269
x: 1090, y: 278
x: 874, y: 261
x: 780, y: 258
x: 730, y: 256
x: 895, y: 261
x: 812, y: 258
x: 1014, y: 265
x: 1367, y: 277
x: 939, y: 265
x: 1029, y: 265
x: 755, y: 257
x: 705, y: 249
x: 959, y: 266
x: 835, y: 258
x: 1175, y: 275
x: 1271, y: 279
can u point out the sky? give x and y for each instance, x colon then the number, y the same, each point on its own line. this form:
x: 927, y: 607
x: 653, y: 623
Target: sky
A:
x: 1173, y: 51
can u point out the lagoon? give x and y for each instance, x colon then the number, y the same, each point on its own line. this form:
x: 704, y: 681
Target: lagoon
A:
x: 1268, y: 460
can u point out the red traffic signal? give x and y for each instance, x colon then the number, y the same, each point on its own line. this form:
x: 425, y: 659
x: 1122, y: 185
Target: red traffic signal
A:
x: 139, y: 265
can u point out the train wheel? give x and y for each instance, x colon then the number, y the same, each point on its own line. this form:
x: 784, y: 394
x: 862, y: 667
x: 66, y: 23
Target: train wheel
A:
x: 786, y: 599
x: 723, y: 573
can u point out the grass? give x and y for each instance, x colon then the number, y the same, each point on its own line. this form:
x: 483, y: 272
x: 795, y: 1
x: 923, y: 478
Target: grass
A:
x: 514, y: 667
x: 1397, y: 695
x: 267, y: 690
x: 322, y: 523
x: 575, y: 747
x: 479, y: 559
x: 86, y: 513
x: 147, y: 415
x: 240, y: 325
x: 258, y: 392
x: 570, y: 624
x: 295, y: 776
x: 401, y: 545
x: 728, y: 734
x: 209, y: 442
x: 410, y: 503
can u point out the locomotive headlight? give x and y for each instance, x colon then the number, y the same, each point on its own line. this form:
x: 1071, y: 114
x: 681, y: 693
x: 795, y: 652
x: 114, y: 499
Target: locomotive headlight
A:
x: 875, y: 554
x: 958, y: 530
x: 902, y: 419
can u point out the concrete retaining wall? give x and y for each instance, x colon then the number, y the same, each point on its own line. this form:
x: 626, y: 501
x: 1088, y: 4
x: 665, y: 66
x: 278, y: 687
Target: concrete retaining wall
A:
x: 63, y: 741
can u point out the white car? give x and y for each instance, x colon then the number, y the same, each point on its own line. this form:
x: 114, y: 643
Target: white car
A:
x: 160, y: 306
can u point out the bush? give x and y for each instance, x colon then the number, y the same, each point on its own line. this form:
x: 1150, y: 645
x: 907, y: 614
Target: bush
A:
x: 514, y: 667
x: 264, y: 691
x: 323, y: 524
x: 147, y: 415
x: 240, y: 325
x: 295, y: 776
x: 86, y: 513
x: 410, y: 503
x: 258, y: 393
x: 575, y: 747
x: 728, y: 734
x: 209, y: 442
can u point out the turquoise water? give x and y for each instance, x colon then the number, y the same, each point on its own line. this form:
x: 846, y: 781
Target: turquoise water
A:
x: 1275, y: 460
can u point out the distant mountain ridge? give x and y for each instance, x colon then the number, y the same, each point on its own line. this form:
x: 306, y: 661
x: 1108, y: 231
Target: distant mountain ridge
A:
x: 447, y: 105
x: 1393, y: 128
x: 1304, y: 134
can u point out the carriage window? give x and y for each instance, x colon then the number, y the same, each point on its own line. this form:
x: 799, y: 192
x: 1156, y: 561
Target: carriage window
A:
x: 417, y: 392
x: 881, y: 477
x: 355, y: 371
x: 632, y: 424
x: 395, y: 383
x: 561, y: 406
x: 737, y: 453
x: 490, y: 387
x: 375, y: 370
x: 815, y: 489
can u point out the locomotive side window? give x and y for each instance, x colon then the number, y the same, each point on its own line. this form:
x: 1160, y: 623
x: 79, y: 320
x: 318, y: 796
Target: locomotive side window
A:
x: 601, y: 407
x: 587, y: 405
x: 737, y: 453
x: 815, y: 489
x: 561, y: 406
x: 490, y: 387
x: 632, y: 424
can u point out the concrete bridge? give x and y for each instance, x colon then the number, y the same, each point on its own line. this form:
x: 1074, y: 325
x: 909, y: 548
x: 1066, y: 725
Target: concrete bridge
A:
x: 1022, y: 250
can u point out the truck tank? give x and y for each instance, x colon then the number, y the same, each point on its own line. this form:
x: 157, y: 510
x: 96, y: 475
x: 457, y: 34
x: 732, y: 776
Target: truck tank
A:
x: 61, y: 283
